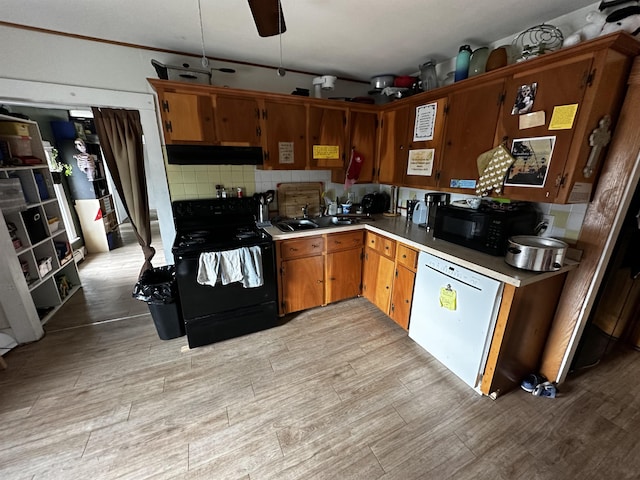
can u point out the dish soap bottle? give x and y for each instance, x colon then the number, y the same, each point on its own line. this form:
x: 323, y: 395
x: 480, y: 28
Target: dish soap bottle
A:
x: 462, y: 63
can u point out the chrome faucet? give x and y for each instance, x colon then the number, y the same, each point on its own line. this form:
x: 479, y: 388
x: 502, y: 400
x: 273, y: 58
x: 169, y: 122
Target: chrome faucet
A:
x: 305, y: 211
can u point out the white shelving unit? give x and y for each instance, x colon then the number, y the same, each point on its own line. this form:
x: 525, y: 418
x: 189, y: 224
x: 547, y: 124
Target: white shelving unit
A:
x: 38, y: 273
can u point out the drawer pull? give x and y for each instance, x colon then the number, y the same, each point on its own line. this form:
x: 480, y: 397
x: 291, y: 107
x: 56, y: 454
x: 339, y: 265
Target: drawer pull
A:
x: 337, y: 242
x: 293, y: 249
x: 315, y: 245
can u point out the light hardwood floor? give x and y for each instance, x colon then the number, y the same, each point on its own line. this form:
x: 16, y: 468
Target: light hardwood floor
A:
x: 338, y: 392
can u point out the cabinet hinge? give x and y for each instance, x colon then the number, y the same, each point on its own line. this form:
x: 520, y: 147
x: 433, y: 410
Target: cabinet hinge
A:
x: 396, y: 273
x: 281, y: 271
x: 501, y: 98
x: 438, y: 176
x: 588, y: 79
x: 264, y: 114
x: 446, y: 108
x: 258, y: 113
x: 168, y: 127
x: 344, y: 120
x: 258, y: 131
x: 165, y: 106
x: 265, y: 154
x: 560, y: 179
x: 393, y: 308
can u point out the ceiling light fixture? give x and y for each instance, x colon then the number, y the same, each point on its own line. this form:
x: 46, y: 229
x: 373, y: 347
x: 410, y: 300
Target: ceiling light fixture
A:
x: 204, y: 60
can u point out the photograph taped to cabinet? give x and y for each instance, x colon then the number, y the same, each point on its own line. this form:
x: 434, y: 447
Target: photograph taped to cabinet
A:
x: 524, y: 99
x: 532, y: 160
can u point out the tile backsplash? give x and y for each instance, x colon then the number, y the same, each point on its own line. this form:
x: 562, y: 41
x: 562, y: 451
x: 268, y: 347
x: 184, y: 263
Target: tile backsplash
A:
x: 199, y: 181
x: 565, y: 221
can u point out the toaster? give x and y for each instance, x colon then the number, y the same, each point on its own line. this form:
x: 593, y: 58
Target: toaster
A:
x: 376, y: 202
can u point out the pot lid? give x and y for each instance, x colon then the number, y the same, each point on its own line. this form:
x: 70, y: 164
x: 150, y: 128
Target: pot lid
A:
x: 535, y: 241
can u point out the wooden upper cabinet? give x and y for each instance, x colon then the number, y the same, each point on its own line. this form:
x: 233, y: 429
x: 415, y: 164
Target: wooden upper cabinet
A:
x: 595, y: 82
x: 472, y: 115
x: 285, y: 131
x: 544, y: 151
x: 186, y: 117
x: 393, y: 148
x: 238, y: 120
x: 425, y: 117
x: 363, y: 130
x: 327, y: 127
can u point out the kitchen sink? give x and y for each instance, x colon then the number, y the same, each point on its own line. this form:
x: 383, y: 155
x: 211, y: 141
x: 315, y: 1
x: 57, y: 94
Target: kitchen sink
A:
x: 296, y: 224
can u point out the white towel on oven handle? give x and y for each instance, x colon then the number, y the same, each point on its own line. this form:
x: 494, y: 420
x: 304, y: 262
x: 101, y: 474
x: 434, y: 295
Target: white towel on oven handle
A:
x: 230, y: 266
x: 251, y: 267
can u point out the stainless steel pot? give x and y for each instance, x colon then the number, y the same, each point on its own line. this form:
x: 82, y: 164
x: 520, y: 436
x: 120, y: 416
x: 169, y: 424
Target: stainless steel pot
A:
x: 382, y: 81
x: 538, y: 254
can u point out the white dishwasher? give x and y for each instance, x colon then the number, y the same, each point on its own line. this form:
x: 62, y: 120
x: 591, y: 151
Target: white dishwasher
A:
x: 453, y: 315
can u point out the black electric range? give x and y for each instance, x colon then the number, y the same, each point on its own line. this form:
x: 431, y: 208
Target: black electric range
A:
x: 218, y: 312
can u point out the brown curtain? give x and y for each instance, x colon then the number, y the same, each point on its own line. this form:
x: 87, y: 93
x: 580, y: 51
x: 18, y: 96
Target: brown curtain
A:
x: 120, y: 133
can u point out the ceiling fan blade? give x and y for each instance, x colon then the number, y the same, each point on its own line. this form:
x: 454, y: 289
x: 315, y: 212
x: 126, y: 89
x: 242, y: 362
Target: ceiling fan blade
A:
x: 265, y: 14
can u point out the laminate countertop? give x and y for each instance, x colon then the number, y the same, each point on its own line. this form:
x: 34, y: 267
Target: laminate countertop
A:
x: 410, y: 234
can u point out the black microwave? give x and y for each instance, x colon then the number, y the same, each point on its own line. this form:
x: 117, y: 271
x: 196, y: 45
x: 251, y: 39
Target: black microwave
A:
x: 486, y: 229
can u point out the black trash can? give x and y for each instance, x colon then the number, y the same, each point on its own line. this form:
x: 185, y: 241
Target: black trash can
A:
x: 158, y: 287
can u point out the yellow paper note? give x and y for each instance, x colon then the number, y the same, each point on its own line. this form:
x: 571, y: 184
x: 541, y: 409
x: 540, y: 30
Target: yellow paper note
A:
x: 563, y: 117
x: 326, y: 151
x: 448, y: 298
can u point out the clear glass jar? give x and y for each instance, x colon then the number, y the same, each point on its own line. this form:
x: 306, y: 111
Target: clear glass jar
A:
x: 428, y: 77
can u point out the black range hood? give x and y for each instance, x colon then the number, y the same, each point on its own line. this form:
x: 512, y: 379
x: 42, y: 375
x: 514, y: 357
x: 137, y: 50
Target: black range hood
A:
x: 213, y: 155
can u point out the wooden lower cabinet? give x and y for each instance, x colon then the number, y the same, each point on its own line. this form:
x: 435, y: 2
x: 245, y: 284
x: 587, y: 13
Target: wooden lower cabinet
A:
x: 302, y: 283
x: 343, y: 266
x: 301, y: 269
x: 388, y: 276
x: 319, y: 270
x: 325, y: 269
x: 377, y: 279
x: 405, y: 276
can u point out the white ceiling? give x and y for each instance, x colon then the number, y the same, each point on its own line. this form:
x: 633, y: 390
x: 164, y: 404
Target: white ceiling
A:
x: 348, y: 38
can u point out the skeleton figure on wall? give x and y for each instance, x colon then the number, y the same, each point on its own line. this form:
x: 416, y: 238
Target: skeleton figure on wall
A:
x: 86, y: 161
